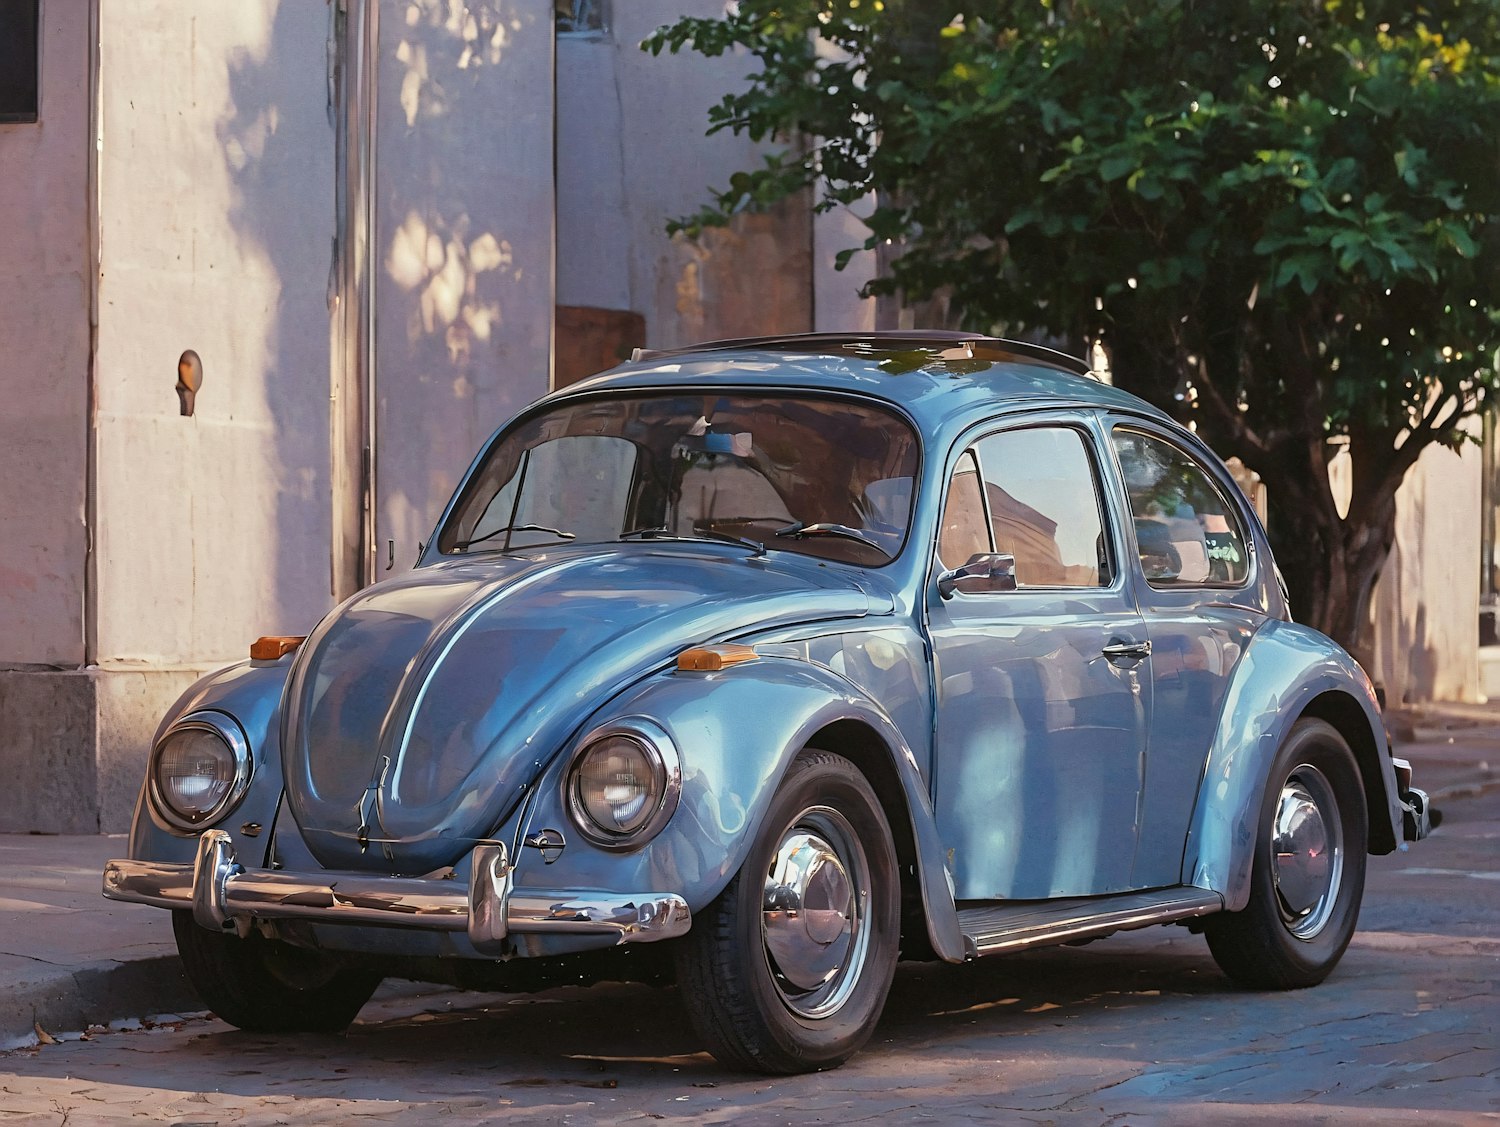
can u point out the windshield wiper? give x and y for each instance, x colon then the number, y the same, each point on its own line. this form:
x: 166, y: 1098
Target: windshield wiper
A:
x: 661, y: 532
x: 509, y: 528
x: 823, y: 528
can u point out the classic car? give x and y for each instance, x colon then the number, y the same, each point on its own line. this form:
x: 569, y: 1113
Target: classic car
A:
x: 778, y: 659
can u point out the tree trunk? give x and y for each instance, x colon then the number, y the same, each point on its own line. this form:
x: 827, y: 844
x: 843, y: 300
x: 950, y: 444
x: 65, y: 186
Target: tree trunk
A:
x: 1330, y: 571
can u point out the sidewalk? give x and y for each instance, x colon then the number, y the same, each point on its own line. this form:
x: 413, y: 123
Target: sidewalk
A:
x: 70, y: 958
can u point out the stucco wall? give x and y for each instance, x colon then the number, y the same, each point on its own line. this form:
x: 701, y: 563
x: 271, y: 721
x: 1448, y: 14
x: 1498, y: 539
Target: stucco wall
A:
x: 44, y: 328
x: 464, y: 288
x: 1426, y: 604
x: 631, y: 154
x: 217, y: 182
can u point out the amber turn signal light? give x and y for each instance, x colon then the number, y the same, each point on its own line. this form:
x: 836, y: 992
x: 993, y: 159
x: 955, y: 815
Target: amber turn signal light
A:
x: 711, y: 659
x: 272, y: 647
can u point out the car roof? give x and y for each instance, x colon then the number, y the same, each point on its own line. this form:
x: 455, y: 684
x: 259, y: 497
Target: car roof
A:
x: 935, y: 375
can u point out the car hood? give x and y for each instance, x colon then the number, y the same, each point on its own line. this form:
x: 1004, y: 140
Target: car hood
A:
x: 419, y: 711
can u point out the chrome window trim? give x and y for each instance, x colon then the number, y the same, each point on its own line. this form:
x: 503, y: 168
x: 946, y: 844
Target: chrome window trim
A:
x: 228, y: 730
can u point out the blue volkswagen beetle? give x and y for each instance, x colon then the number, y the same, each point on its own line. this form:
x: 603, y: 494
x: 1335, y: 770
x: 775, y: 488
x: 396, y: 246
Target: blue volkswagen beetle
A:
x: 776, y: 660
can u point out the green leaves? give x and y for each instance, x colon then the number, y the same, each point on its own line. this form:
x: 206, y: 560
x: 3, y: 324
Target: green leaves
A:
x: 1273, y: 200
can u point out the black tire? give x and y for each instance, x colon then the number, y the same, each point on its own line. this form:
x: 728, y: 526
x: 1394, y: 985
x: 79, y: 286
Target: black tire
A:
x: 1309, y: 871
x: 773, y: 992
x: 266, y: 986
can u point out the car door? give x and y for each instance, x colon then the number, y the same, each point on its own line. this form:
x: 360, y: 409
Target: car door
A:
x: 1199, y: 592
x: 1043, y: 692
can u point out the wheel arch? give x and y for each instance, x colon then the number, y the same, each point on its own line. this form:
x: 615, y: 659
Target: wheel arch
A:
x: 1287, y: 672
x: 863, y: 746
x: 731, y: 770
x: 1343, y: 713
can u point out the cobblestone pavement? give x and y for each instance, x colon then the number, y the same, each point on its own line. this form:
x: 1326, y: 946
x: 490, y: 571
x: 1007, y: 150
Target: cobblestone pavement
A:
x: 1137, y: 1029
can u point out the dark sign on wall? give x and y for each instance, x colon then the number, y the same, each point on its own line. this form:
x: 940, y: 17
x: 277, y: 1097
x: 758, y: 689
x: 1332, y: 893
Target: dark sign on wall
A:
x: 20, y: 46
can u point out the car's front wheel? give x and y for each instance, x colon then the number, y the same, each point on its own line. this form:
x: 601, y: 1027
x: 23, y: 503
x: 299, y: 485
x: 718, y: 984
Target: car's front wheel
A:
x: 270, y: 987
x: 1309, y: 871
x: 787, y: 971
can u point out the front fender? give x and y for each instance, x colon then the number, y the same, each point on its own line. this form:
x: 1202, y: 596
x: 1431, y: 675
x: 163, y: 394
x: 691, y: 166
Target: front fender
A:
x: 250, y: 692
x: 1285, y: 670
x: 737, y: 732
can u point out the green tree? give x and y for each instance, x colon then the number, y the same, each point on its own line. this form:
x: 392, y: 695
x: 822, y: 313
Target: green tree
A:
x: 1281, y: 217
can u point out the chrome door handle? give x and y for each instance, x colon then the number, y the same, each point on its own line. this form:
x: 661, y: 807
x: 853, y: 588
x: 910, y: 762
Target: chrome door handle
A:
x: 1136, y: 650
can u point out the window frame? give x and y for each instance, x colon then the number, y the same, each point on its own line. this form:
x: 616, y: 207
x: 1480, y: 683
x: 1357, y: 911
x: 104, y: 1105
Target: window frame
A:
x: 474, y: 479
x: 605, y: 11
x: 1228, y: 493
x: 967, y: 447
x: 33, y: 114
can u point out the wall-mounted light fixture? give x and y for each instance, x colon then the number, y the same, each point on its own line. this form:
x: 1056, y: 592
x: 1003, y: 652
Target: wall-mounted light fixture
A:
x: 189, y: 379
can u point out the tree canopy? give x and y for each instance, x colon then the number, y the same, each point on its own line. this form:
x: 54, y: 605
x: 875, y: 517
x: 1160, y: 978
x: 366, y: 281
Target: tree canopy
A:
x: 1280, y: 217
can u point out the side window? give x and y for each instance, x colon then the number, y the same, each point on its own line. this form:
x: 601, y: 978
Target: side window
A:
x: 1187, y: 533
x: 1044, y: 508
x: 963, y: 533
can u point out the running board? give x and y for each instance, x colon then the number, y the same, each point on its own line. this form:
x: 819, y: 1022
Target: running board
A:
x: 1017, y: 925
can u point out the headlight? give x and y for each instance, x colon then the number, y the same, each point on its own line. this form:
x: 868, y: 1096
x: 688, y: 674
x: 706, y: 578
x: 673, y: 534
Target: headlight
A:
x: 623, y: 783
x: 199, y: 770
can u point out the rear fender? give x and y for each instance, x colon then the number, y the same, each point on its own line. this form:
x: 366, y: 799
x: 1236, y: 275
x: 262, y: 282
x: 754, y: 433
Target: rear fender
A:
x: 737, y: 732
x: 1288, y: 671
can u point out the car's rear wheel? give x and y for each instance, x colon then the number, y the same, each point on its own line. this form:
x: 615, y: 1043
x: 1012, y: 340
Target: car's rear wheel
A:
x: 787, y: 971
x: 1309, y: 870
x: 266, y: 986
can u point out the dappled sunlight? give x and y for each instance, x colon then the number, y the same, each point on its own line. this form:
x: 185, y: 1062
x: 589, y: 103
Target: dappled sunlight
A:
x: 462, y: 244
x: 443, y: 269
x: 250, y: 144
x: 470, y: 36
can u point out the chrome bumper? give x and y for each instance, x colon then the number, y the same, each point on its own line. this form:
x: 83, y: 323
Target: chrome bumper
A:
x: 220, y: 891
x: 1416, y: 808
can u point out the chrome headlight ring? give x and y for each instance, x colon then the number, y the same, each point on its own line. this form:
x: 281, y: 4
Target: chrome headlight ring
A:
x: 623, y: 783
x: 202, y: 762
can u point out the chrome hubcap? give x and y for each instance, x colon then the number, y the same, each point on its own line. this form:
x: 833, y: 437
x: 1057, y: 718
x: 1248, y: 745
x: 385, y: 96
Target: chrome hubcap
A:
x: 1308, y: 848
x: 813, y: 917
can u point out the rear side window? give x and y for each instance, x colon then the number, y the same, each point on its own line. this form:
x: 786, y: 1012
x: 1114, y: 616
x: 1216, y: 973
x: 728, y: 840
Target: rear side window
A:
x: 1188, y: 534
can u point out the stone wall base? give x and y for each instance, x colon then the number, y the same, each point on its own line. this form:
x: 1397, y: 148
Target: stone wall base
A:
x: 74, y: 743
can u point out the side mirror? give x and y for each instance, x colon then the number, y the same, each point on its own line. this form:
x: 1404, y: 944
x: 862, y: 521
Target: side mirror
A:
x: 985, y: 571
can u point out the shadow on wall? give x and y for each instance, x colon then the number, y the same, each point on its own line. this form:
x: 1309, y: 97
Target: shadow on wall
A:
x: 464, y: 238
x: 445, y: 55
x: 278, y: 144
x: 458, y: 344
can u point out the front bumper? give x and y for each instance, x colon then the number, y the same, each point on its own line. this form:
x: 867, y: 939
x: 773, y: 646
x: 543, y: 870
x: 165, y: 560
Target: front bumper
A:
x: 222, y: 894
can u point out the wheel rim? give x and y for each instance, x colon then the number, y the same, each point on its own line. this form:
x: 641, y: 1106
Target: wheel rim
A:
x: 1307, y: 845
x: 813, y: 919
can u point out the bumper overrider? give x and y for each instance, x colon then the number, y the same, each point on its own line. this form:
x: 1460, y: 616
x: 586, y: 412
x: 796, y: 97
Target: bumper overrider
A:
x: 222, y: 894
x: 1416, y: 807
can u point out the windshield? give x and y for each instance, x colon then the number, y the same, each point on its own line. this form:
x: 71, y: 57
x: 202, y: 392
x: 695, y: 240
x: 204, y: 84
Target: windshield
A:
x: 825, y: 477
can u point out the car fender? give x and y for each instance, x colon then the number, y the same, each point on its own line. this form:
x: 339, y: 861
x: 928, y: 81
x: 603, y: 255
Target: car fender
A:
x: 1288, y: 671
x: 249, y: 692
x: 736, y: 732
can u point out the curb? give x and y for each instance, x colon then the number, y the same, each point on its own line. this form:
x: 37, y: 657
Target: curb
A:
x: 1466, y: 788
x: 70, y: 1001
